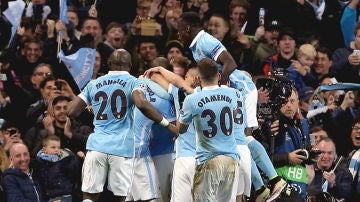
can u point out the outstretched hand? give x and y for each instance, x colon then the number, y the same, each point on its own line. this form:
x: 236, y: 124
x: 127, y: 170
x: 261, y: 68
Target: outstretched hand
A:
x: 149, y: 72
x: 173, y: 129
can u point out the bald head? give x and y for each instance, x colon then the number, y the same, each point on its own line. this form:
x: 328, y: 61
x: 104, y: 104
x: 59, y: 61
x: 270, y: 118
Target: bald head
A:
x: 120, y: 60
x: 19, y: 156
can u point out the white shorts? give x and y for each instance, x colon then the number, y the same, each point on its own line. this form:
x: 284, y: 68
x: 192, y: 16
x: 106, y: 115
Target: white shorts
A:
x: 145, y: 184
x: 164, y: 165
x: 251, y: 108
x: 244, y: 186
x: 216, y: 180
x: 99, y: 166
x: 183, y: 177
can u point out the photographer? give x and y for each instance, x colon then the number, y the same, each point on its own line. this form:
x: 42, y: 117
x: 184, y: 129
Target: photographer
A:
x: 325, y: 179
x: 289, y: 144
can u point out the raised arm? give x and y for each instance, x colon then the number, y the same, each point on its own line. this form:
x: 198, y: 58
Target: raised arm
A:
x: 149, y: 111
x: 169, y: 76
x: 228, y: 65
x: 76, y: 107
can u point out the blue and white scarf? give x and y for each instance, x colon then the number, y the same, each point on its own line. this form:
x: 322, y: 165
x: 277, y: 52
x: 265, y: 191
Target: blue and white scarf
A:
x: 318, y: 8
x: 354, y: 165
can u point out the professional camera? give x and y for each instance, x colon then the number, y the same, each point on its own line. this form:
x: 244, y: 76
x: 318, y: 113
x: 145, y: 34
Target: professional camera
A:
x: 311, y: 156
x: 280, y: 89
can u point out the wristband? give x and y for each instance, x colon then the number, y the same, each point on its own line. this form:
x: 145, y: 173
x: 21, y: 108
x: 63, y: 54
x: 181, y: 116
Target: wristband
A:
x: 164, y: 122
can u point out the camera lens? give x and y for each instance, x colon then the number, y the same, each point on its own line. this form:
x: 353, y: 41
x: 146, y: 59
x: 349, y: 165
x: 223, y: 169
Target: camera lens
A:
x: 304, y: 153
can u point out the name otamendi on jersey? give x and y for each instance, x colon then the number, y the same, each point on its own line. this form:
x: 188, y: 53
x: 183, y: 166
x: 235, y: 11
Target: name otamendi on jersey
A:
x: 214, y: 98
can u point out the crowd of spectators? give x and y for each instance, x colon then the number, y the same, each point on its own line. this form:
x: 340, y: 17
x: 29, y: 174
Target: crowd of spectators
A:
x: 312, y: 43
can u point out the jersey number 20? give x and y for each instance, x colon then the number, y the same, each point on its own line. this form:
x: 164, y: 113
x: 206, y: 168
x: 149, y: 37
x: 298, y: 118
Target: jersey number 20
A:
x: 114, y: 108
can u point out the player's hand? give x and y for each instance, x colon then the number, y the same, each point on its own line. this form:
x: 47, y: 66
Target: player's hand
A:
x: 224, y: 80
x: 173, y: 129
x: 147, y: 73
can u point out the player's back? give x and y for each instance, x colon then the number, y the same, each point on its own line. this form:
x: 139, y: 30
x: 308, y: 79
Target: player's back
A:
x: 110, y: 97
x: 160, y: 99
x: 185, y: 143
x: 213, y: 116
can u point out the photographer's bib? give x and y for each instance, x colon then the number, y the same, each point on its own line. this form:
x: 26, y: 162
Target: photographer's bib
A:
x: 296, y: 177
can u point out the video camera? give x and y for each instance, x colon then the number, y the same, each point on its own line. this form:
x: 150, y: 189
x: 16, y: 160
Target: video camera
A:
x: 279, y: 88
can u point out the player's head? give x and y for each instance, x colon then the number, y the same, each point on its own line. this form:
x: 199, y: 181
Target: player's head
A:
x: 189, y: 25
x: 120, y: 60
x: 208, y: 70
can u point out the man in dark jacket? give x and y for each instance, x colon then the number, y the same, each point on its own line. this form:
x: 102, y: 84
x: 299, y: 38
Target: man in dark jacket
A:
x: 20, y: 182
x: 325, y: 176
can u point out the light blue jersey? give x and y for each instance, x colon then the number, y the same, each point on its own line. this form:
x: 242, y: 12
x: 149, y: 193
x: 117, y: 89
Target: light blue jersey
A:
x: 212, y: 110
x: 111, y: 100
x: 205, y: 45
x: 185, y: 143
x: 161, y: 140
x: 240, y: 121
x: 142, y: 124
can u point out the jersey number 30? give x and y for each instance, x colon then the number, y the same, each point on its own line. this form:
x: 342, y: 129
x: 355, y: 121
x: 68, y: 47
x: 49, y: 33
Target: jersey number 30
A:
x: 225, y: 112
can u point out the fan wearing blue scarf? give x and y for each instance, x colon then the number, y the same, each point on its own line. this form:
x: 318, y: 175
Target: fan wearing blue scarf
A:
x: 56, y: 169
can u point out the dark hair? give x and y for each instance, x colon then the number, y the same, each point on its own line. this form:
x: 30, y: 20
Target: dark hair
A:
x: 91, y: 18
x: 115, y: 25
x: 325, y: 50
x: 174, y: 43
x: 60, y: 98
x: 289, y: 31
x: 42, y: 65
x: 192, y: 19
x: 43, y: 82
x: 72, y: 9
x: 7, y: 124
x: 208, y: 69
x: 183, y: 62
x: 33, y: 40
x: 329, y: 75
x: 356, y: 119
x: 316, y: 128
x: 357, y: 27
x: 149, y: 39
x: 239, y: 3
